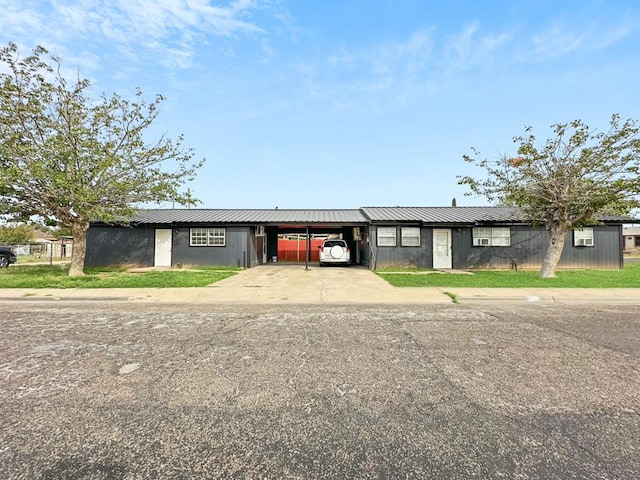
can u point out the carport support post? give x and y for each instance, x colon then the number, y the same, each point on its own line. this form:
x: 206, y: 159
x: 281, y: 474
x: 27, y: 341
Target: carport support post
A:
x: 308, y: 254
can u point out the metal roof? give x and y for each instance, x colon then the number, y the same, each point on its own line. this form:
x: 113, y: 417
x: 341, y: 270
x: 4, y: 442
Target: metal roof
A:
x: 362, y: 216
x: 458, y: 215
x: 275, y: 216
x: 448, y: 215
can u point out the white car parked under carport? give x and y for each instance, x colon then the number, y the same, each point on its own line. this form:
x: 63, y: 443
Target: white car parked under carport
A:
x: 334, y: 252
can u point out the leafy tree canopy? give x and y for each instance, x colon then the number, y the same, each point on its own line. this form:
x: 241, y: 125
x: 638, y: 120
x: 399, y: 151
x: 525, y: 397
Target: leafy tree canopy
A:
x: 67, y: 157
x: 16, y: 234
x: 566, y: 181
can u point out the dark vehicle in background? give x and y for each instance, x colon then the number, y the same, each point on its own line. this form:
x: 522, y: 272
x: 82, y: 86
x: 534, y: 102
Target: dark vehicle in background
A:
x: 8, y: 256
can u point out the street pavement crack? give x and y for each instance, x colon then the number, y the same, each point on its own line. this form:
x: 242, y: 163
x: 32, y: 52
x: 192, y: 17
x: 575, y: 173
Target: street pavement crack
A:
x: 322, y: 287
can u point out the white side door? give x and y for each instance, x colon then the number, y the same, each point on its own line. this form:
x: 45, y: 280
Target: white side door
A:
x: 163, y: 248
x: 264, y: 248
x: 442, y: 248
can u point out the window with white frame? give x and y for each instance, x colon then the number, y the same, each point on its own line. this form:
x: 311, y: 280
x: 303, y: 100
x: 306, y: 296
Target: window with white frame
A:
x: 207, y: 237
x: 386, y: 236
x: 491, y: 236
x: 583, y: 237
x: 500, y: 236
x: 410, y: 236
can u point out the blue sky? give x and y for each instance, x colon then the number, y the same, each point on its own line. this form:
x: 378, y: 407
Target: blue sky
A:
x: 346, y: 103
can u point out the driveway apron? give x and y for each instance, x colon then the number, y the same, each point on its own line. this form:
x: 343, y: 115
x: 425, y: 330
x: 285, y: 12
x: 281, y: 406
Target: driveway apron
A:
x: 315, y: 285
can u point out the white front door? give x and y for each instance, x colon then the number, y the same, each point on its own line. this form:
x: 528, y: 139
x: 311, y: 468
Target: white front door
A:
x: 163, y: 248
x: 441, y: 248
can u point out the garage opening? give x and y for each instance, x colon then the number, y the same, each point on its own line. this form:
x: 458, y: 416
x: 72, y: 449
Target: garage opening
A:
x: 289, y: 244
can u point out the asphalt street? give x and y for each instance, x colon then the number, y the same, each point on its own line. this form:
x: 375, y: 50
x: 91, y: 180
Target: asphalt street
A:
x: 121, y: 390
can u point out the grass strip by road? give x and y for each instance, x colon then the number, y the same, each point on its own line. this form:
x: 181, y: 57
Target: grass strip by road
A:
x: 629, y: 277
x: 56, y: 277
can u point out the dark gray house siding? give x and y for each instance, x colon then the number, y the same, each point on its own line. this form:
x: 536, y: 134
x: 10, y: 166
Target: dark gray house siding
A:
x: 400, y: 256
x: 365, y: 250
x: 108, y: 245
x: 527, y: 249
x: 606, y: 253
x: 528, y: 246
x: 234, y: 253
x: 117, y: 245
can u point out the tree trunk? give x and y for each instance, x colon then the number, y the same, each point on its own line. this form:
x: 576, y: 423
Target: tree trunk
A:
x: 554, y: 250
x: 79, y: 232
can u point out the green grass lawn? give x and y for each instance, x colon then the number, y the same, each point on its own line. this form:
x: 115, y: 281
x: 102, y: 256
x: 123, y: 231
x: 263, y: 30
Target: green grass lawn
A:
x: 629, y: 277
x: 46, y: 276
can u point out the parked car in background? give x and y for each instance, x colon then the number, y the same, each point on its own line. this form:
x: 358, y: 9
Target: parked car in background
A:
x: 8, y: 256
x: 335, y: 252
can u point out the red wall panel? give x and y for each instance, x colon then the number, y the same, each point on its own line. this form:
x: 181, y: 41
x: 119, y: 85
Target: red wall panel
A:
x: 295, y: 250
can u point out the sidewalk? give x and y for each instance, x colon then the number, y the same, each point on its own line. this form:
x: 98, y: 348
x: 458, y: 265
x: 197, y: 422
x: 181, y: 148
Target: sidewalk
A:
x: 292, y: 284
x: 329, y: 296
x: 587, y: 296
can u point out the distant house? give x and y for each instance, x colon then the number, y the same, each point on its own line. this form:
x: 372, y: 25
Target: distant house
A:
x: 426, y: 237
x: 51, y: 246
x: 631, y: 240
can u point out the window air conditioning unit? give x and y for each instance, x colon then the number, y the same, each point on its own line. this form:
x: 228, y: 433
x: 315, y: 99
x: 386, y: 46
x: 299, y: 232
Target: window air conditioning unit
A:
x: 481, y: 242
x: 585, y: 242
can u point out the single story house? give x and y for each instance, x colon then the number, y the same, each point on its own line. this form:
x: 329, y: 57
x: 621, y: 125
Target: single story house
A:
x: 631, y: 239
x: 52, y: 246
x: 426, y: 237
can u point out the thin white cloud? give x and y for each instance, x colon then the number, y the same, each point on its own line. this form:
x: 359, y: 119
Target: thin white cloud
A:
x: 469, y: 48
x: 180, y: 57
x: 342, y: 58
x: 161, y: 19
x: 14, y: 21
x: 169, y: 29
x: 612, y: 36
x: 391, y: 73
x: 386, y: 66
x: 427, y: 62
x: 556, y: 42
x: 564, y: 38
x: 368, y: 77
x: 409, y: 58
x: 461, y: 44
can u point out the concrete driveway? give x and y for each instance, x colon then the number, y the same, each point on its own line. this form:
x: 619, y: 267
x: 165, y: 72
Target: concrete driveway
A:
x: 315, y: 285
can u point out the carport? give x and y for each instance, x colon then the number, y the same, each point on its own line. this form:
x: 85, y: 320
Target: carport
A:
x: 294, y: 244
x: 308, y: 228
